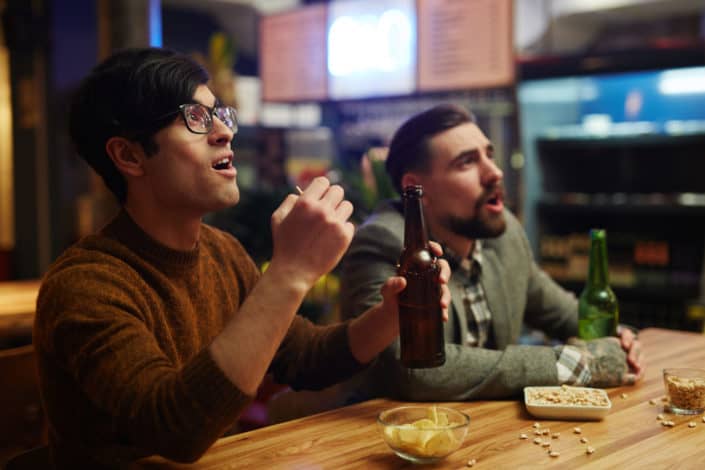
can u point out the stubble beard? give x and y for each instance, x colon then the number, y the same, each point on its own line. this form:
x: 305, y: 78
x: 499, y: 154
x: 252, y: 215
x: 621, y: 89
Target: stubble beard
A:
x: 481, y: 225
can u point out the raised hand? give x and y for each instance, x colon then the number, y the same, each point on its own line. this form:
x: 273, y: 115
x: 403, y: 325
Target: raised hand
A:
x: 311, y: 232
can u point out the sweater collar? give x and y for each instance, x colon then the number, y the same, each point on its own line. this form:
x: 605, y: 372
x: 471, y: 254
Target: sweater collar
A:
x: 128, y: 232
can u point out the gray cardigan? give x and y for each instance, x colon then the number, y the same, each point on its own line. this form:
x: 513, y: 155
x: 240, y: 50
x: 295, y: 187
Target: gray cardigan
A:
x: 517, y: 291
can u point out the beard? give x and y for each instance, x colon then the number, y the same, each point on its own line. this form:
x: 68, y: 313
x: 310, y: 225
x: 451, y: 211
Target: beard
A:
x: 481, y: 225
x: 476, y: 227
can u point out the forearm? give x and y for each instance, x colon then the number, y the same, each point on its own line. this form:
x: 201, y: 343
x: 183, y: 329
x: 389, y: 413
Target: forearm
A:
x: 370, y: 333
x: 312, y: 357
x: 468, y: 374
x: 245, y: 348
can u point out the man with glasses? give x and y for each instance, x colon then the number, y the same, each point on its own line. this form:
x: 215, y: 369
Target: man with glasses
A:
x: 153, y: 334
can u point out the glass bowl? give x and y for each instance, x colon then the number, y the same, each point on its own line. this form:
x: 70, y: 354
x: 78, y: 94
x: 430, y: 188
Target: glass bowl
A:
x: 423, y: 433
x: 685, y: 389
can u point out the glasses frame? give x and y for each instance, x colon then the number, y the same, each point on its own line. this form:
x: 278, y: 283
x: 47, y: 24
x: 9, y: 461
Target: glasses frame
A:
x: 216, y: 111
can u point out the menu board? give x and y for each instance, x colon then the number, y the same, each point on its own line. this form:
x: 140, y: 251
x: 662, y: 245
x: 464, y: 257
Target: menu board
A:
x: 464, y: 44
x: 293, y: 55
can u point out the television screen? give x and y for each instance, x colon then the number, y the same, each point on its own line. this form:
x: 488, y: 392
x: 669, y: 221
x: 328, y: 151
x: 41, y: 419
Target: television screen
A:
x: 371, y: 48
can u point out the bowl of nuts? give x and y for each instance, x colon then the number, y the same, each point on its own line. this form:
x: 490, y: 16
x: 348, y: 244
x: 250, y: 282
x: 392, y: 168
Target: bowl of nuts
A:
x: 423, y: 434
x: 685, y: 389
x: 567, y: 403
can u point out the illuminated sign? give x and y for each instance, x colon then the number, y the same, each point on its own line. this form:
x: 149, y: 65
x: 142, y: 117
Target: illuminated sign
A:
x: 371, y: 48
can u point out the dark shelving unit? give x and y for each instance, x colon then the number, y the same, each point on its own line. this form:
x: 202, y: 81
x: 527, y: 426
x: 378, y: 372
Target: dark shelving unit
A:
x: 649, y: 193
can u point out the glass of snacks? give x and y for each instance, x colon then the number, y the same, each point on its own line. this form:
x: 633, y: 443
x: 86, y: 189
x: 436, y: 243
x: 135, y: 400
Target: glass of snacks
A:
x: 685, y: 389
x: 423, y: 434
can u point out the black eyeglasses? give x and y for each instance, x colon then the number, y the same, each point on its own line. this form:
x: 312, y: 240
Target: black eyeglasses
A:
x: 199, y: 117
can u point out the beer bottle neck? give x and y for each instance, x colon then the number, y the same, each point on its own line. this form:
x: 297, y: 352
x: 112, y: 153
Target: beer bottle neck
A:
x: 415, y: 235
x: 598, y: 275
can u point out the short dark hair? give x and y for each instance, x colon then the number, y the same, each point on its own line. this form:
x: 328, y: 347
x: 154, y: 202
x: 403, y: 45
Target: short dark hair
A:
x: 130, y: 94
x: 409, y: 151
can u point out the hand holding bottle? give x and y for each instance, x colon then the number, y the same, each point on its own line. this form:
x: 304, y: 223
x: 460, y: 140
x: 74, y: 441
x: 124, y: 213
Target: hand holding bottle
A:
x: 383, y: 318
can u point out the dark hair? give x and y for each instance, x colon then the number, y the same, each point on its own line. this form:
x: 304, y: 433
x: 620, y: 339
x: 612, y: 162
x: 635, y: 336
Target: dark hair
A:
x: 409, y: 151
x: 130, y: 94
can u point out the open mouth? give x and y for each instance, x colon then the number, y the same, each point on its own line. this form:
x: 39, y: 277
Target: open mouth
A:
x: 222, y: 164
x: 495, y: 202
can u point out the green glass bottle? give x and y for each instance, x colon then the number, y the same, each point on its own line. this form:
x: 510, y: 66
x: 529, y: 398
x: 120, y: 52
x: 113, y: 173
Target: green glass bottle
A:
x: 598, y: 309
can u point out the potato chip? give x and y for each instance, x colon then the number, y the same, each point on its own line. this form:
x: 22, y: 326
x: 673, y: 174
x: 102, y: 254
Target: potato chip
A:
x: 424, y: 423
x: 433, y: 414
x: 440, y: 443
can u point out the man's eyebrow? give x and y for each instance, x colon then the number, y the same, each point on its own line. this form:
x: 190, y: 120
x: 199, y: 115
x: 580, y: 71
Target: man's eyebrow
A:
x: 472, y: 152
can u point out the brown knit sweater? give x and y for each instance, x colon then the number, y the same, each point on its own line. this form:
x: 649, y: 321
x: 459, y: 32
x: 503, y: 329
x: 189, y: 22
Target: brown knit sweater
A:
x: 122, y: 332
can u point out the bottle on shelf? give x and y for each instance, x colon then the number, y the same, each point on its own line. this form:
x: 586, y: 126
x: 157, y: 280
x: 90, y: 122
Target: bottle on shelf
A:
x: 420, y: 315
x: 598, y: 309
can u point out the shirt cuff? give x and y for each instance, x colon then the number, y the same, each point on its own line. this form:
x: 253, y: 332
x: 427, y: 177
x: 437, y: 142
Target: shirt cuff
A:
x: 572, y: 366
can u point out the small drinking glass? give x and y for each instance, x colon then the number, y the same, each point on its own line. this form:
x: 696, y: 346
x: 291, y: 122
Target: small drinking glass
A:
x: 685, y: 388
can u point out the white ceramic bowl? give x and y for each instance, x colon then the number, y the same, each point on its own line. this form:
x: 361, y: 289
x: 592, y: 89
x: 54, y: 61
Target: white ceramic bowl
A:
x: 567, y: 403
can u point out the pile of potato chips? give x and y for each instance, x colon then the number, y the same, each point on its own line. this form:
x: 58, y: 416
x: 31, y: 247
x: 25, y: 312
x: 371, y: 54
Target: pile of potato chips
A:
x: 424, y: 437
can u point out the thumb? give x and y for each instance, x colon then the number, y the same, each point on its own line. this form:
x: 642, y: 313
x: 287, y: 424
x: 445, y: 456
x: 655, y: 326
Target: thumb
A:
x: 283, y: 210
x: 391, y: 288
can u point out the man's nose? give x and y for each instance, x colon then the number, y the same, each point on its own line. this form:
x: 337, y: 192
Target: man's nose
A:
x: 220, y: 133
x: 491, y: 172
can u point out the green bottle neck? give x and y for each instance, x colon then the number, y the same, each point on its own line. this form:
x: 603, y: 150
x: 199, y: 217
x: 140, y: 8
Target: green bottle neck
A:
x: 598, y: 275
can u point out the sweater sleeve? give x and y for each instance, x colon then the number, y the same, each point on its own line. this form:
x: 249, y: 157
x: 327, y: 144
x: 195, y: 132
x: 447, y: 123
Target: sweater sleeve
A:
x: 107, y: 372
x: 313, y: 356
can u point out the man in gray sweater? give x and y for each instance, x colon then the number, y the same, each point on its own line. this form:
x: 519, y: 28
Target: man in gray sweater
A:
x: 496, y: 286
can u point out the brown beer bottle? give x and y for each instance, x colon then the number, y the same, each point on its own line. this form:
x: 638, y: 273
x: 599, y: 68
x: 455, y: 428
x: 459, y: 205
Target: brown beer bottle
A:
x: 420, y: 314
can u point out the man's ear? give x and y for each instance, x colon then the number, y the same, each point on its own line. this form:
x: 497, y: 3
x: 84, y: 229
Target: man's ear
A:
x: 126, y: 155
x: 409, y: 179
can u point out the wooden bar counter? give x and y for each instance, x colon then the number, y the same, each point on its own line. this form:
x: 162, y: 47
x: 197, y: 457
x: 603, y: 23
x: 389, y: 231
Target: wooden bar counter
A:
x: 18, y: 300
x: 630, y: 437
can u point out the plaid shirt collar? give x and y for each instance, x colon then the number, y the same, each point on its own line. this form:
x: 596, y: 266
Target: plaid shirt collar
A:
x: 470, y: 266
